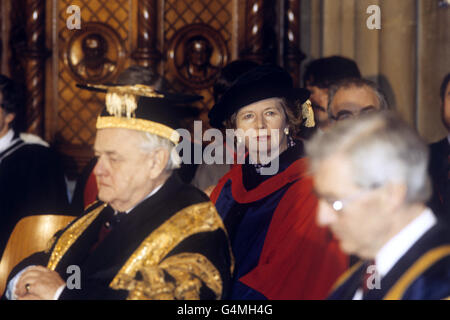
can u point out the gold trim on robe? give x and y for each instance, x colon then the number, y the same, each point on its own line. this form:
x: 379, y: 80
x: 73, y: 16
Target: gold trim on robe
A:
x: 67, y: 239
x: 185, y: 269
x: 422, y: 264
x: 346, y: 275
x: 187, y: 272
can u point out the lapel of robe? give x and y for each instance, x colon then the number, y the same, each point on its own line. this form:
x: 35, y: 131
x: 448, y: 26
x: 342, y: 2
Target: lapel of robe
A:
x: 77, y: 253
x: 347, y: 284
x: 429, y: 240
x: 129, y: 233
x: 112, y: 253
x: 15, y: 145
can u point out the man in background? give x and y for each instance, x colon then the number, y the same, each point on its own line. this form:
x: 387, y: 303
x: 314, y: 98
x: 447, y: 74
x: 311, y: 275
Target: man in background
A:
x: 353, y: 97
x: 371, y: 177
x: 440, y: 159
x: 31, y: 175
x: 320, y: 75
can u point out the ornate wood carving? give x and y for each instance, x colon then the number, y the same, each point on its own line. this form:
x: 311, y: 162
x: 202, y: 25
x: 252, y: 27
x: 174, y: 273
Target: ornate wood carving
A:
x: 196, y: 54
x: 259, y: 31
x: 146, y: 53
x: 95, y: 53
x: 34, y: 65
x: 254, y: 37
x: 292, y: 54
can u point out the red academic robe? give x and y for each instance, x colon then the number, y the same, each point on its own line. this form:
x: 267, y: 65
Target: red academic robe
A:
x: 299, y: 259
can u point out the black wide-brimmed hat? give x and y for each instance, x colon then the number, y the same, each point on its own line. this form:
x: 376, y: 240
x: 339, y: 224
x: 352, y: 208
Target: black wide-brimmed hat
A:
x: 141, y: 107
x: 263, y: 82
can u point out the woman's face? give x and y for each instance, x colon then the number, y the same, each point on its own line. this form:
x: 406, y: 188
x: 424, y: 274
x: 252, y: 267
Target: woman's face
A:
x: 261, y: 126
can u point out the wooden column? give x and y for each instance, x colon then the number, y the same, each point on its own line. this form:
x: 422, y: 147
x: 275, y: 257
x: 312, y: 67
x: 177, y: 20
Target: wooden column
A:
x: 293, y: 56
x: 34, y: 65
x: 146, y: 53
x: 254, y: 33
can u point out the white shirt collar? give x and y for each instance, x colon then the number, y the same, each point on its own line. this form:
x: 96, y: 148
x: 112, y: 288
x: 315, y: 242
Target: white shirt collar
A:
x: 6, y: 140
x: 397, y: 246
x: 448, y: 138
x: 148, y: 196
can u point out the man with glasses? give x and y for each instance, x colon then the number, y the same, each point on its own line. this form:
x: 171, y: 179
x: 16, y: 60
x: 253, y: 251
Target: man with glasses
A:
x: 354, y: 96
x: 371, y: 178
x: 319, y: 76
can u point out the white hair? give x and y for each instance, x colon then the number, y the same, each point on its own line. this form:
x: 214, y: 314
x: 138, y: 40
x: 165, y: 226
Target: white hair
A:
x: 381, y: 148
x: 152, y: 141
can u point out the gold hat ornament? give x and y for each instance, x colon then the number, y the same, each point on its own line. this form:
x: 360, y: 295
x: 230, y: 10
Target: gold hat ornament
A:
x: 308, y: 114
x: 126, y: 109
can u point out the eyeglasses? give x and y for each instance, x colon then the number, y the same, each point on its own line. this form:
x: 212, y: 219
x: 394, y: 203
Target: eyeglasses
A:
x: 339, y: 204
x: 348, y: 114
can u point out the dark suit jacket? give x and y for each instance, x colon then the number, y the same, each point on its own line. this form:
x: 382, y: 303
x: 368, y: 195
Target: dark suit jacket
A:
x: 170, y: 240
x: 31, y: 182
x: 423, y: 273
x: 439, y: 168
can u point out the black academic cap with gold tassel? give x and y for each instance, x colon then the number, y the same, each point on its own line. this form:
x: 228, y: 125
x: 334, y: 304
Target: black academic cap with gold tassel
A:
x: 141, y: 107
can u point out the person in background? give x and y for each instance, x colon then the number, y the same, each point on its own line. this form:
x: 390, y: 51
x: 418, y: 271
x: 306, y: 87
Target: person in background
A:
x: 320, y: 75
x: 31, y: 175
x: 267, y: 201
x: 440, y: 159
x: 371, y: 177
x: 353, y: 97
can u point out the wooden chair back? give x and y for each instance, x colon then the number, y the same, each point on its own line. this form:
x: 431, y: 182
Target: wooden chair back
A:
x: 31, y: 234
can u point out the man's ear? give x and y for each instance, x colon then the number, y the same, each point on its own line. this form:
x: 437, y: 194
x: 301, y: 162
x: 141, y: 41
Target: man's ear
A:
x: 158, y: 162
x: 396, y: 192
x: 9, y: 118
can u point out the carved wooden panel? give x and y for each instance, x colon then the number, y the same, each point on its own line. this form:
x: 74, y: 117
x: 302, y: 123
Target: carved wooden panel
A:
x: 216, y: 17
x: 29, y: 55
x: 97, y: 52
x: 162, y: 34
x: 196, y: 53
x: 146, y: 53
x: 292, y: 54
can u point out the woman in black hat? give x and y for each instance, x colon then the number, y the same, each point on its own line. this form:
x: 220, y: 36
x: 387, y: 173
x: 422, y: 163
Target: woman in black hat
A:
x: 267, y: 202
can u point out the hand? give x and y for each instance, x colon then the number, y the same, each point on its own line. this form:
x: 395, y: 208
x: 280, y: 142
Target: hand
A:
x: 38, y: 283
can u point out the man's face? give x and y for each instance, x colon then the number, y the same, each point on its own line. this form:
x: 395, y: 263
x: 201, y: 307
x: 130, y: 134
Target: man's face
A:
x: 319, y: 100
x: 3, y: 124
x: 5, y: 119
x: 123, y: 170
x: 446, y: 108
x: 353, y: 101
x: 362, y: 219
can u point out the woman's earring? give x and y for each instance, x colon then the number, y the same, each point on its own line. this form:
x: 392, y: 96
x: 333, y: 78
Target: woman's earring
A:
x: 286, y: 131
